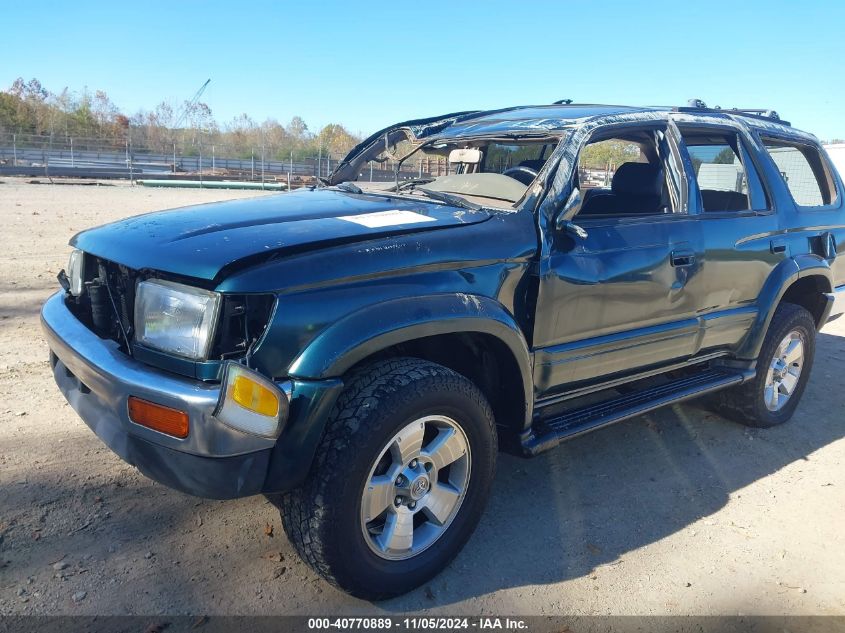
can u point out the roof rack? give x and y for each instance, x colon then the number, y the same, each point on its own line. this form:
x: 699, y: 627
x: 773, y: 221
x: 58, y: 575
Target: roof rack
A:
x: 697, y: 105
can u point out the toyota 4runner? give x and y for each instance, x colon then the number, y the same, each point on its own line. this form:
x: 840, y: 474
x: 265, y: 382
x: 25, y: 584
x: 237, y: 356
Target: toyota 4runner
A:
x: 359, y: 351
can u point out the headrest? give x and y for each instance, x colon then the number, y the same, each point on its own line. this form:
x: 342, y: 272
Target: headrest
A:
x: 638, y: 179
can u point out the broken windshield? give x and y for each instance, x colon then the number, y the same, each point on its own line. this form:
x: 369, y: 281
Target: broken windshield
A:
x: 484, y: 171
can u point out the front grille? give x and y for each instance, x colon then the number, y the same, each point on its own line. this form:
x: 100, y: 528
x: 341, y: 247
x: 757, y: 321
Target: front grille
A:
x: 107, y: 307
x: 108, y: 300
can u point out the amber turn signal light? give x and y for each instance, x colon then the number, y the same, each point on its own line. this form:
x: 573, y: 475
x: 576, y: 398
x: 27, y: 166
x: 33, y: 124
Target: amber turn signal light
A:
x: 159, y: 418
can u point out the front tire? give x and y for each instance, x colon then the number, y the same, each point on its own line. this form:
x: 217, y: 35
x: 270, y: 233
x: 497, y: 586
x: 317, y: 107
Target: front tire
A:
x: 783, y: 368
x: 399, y: 481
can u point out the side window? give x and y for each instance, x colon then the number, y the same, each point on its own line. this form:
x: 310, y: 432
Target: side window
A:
x: 726, y: 179
x: 623, y: 175
x: 599, y: 160
x: 804, y: 170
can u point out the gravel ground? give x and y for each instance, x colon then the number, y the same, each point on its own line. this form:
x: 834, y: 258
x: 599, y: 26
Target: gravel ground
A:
x: 678, y: 512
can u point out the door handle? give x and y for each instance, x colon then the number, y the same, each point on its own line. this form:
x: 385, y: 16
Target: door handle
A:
x: 777, y: 246
x: 683, y: 258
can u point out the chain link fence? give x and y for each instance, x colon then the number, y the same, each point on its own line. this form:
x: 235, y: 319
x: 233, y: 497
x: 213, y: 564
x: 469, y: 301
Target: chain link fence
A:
x: 43, y: 155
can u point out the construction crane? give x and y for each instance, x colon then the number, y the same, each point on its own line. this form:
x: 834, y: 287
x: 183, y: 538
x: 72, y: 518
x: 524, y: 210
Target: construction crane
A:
x: 190, y: 105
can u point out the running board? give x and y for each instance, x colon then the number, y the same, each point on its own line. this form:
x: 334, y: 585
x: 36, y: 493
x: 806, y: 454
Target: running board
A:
x: 547, y: 434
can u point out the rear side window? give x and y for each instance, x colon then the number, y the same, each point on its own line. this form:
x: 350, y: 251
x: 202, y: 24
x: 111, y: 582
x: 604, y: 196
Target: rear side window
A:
x: 804, y: 170
x: 726, y: 177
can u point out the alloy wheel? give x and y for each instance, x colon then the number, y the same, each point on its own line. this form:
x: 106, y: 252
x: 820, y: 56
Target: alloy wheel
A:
x: 415, y: 487
x: 784, y: 371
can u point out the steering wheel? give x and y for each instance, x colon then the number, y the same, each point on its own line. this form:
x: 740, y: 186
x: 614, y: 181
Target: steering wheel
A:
x: 525, y: 175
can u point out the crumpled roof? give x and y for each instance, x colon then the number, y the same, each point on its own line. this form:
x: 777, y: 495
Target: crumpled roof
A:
x: 539, y: 119
x: 530, y: 119
x: 520, y: 120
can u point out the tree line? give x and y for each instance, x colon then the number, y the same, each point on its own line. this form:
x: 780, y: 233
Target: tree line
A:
x: 28, y: 108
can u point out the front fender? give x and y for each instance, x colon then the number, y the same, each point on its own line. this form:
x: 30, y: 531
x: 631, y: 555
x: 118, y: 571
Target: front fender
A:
x: 782, y: 277
x: 375, y: 328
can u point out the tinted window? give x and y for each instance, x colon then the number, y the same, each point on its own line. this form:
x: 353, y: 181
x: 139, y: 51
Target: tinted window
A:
x: 804, y: 172
x: 499, y: 157
x: 718, y: 167
x: 722, y: 176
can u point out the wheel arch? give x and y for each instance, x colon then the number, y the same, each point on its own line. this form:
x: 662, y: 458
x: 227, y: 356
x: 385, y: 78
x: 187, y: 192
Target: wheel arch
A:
x: 471, y: 334
x: 805, y: 280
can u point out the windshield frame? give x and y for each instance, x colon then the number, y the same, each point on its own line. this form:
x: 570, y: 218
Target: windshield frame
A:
x: 553, y: 138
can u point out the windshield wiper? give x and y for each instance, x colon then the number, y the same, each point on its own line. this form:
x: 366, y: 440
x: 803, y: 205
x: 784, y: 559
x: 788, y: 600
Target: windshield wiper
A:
x: 414, y: 183
x: 348, y: 187
x: 455, y: 201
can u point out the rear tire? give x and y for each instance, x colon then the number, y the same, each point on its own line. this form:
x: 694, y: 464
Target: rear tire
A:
x: 362, y: 468
x: 783, y: 368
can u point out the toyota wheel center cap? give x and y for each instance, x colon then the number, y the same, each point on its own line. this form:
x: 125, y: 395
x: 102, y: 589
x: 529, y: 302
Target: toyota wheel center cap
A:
x: 419, y: 487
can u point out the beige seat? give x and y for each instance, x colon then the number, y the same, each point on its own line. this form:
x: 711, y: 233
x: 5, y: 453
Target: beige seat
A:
x: 466, y: 160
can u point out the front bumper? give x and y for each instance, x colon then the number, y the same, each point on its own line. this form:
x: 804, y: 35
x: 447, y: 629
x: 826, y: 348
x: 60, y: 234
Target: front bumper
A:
x: 214, y: 461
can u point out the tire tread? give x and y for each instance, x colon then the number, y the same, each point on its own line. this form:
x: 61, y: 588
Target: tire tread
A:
x: 740, y: 403
x: 302, y: 510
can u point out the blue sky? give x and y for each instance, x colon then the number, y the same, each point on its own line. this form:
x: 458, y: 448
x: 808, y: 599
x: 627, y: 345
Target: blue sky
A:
x: 368, y: 64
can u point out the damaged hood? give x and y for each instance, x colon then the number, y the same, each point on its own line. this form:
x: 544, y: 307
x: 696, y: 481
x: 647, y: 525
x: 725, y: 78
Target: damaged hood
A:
x: 205, y: 241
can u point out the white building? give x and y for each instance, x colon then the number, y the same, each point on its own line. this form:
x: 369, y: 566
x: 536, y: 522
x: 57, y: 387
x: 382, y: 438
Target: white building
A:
x: 836, y: 151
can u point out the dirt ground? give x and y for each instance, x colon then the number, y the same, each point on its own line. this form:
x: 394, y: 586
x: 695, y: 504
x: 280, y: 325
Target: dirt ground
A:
x: 678, y: 512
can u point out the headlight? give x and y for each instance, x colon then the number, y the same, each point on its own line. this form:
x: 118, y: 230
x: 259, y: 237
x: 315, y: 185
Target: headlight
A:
x: 175, y: 318
x: 75, y: 272
x: 250, y: 402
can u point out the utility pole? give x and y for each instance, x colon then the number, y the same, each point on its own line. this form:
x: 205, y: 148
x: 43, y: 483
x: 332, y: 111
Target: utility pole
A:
x: 129, y: 158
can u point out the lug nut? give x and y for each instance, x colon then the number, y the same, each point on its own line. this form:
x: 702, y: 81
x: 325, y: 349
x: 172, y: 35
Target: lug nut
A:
x: 397, y: 501
x: 412, y: 505
x: 413, y: 463
x: 400, y: 480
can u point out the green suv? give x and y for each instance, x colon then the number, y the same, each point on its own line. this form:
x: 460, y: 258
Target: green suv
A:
x: 360, y: 351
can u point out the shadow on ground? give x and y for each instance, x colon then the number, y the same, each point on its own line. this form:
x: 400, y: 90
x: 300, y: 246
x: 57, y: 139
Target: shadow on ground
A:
x: 554, y: 518
x: 591, y: 500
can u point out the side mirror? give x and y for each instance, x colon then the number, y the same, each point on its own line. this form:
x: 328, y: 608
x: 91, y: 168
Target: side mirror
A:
x: 564, y: 222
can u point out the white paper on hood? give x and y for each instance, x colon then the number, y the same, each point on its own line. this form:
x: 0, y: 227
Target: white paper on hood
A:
x: 381, y: 219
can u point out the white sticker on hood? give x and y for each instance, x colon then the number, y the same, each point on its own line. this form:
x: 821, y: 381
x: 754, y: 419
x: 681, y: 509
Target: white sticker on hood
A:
x: 387, y: 218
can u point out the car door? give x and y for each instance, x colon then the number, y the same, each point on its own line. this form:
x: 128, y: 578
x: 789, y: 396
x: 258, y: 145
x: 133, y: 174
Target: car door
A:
x: 739, y: 227
x: 615, y: 299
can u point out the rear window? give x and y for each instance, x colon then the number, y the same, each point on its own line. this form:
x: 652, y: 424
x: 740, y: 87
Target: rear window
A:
x: 804, y: 170
x: 499, y: 157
